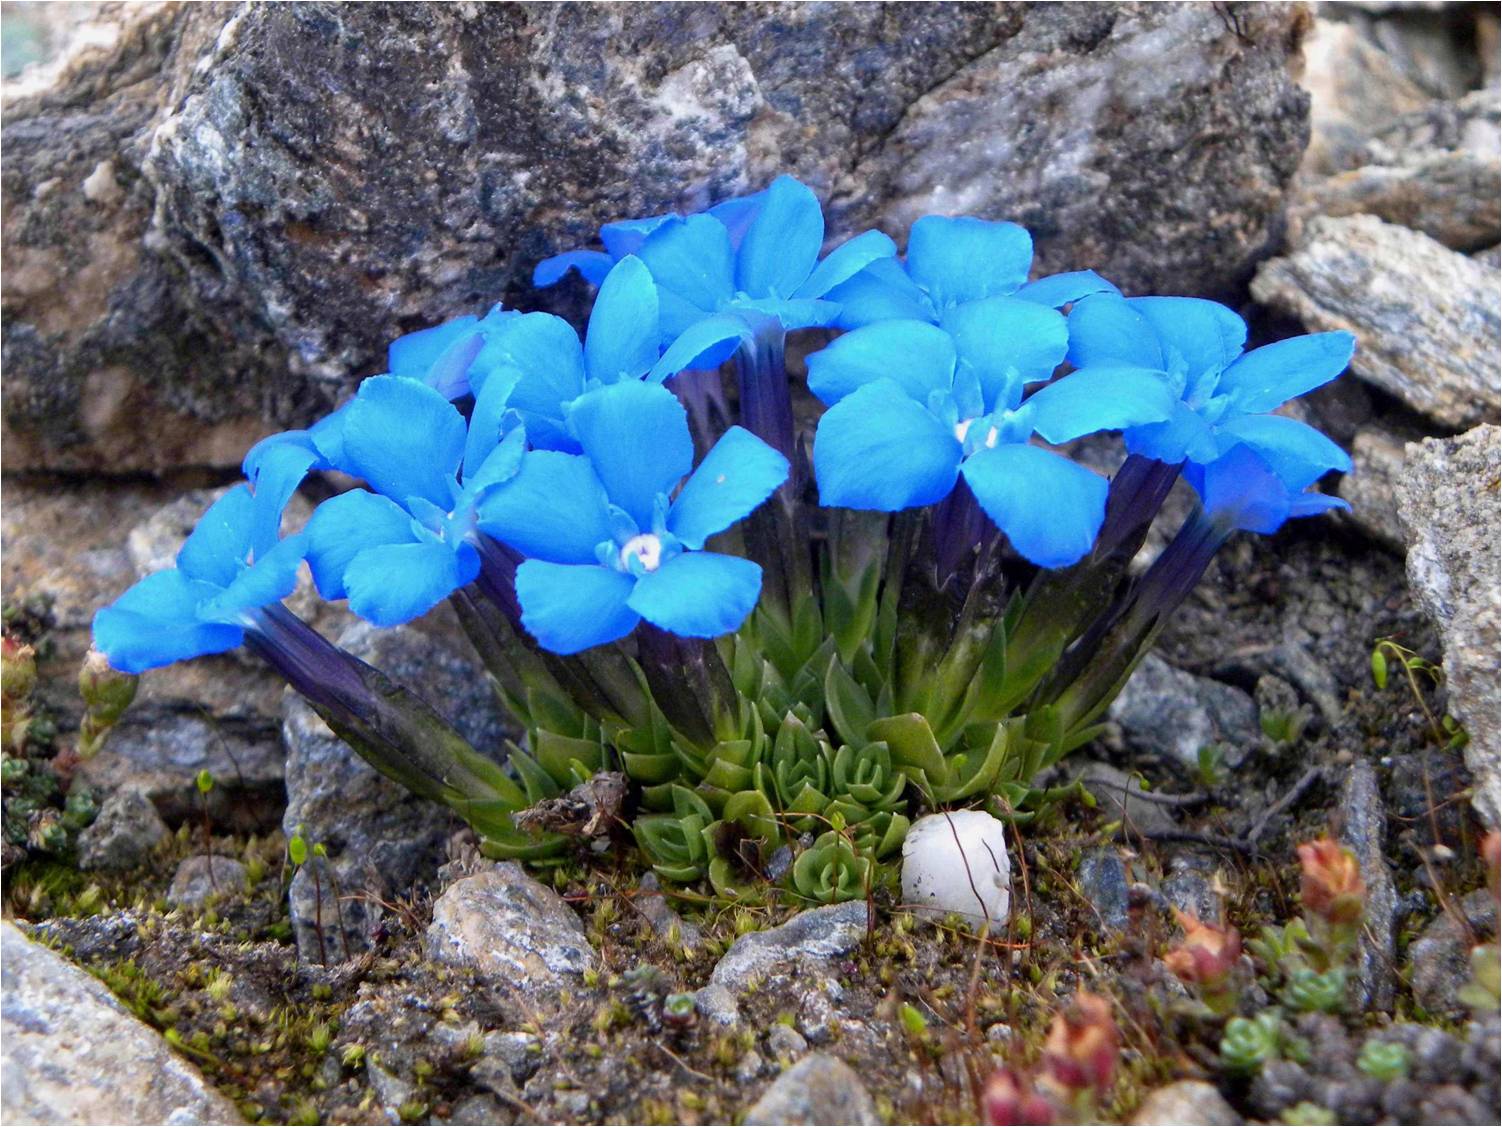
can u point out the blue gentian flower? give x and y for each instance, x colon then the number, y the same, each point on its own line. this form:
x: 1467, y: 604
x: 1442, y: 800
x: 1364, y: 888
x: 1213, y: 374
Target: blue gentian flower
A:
x: 1243, y: 490
x: 606, y: 541
x: 227, y: 571
x: 398, y: 550
x: 1225, y: 395
x: 950, y: 262
x: 913, y: 406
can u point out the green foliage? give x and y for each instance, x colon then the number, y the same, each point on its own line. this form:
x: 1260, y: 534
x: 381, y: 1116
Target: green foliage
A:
x: 1249, y: 1043
x: 1310, y: 1114
x: 1311, y: 991
x: 1383, y: 1060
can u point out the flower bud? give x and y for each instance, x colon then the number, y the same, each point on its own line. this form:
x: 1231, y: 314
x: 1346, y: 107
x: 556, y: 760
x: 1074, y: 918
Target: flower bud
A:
x: 18, y: 670
x: 1082, y: 1047
x: 1010, y: 1101
x: 1206, y: 955
x: 1331, y: 887
x: 106, y: 692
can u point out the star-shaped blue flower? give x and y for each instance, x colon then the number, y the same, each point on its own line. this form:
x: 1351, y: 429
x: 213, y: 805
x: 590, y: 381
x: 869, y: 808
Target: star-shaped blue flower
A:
x: 1242, y: 490
x: 913, y: 406
x: 610, y: 538
x: 227, y: 570
x: 951, y: 262
x: 398, y: 549
x: 1225, y: 395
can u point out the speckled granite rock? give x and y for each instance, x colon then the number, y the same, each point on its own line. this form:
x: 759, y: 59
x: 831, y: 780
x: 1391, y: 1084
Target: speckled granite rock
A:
x: 1173, y: 714
x: 818, y: 1089
x: 1425, y: 317
x: 217, y: 219
x: 1447, y: 499
x: 73, y: 1054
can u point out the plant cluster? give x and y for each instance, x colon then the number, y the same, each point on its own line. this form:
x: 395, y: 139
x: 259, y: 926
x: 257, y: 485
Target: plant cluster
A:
x: 791, y: 630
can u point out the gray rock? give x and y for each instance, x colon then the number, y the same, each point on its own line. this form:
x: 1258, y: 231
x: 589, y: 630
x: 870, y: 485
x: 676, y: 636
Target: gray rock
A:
x: 124, y: 834
x: 1119, y: 797
x: 206, y: 877
x: 390, y: 1089
x: 667, y: 923
x: 1173, y: 714
x: 785, y: 1043
x: 1371, y: 487
x: 73, y: 1054
x: 1425, y: 317
x: 1438, y: 963
x: 1447, y: 500
x: 1187, y: 1102
x: 1355, y: 89
x: 1190, y: 885
x: 380, y: 838
x: 1363, y: 828
x: 818, y: 1089
x: 519, y: 1052
x: 513, y: 931
x: 818, y: 935
x: 1104, y: 886
x: 749, y: 1067
x: 289, y: 186
x: 480, y: 1110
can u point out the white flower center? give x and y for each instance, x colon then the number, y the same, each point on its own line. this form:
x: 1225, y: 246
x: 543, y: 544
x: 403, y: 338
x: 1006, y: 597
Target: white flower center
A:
x: 962, y: 432
x: 644, y: 547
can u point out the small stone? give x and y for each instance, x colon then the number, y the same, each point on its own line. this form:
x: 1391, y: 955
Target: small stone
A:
x: 206, y: 877
x: 74, y: 1055
x: 1191, y: 886
x: 100, y: 185
x: 717, y: 1004
x: 817, y: 935
x: 1439, y: 960
x: 1187, y: 1102
x: 124, y: 834
x: 818, y: 1089
x: 390, y: 1089
x: 1278, y: 1085
x: 521, y: 1052
x: 1425, y: 317
x: 1104, y: 886
x: 1355, y: 89
x: 817, y: 1016
x: 1173, y: 714
x: 956, y: 862
x: 1447, y: 500
x: 478, y: 1110
x: 785, y: 1043
x: 1371, y: 486
x: 665, y: 922
x: 512, y: 930
x: 1363, y: 828
x: 749, y: 1067
x: 1118, y: 795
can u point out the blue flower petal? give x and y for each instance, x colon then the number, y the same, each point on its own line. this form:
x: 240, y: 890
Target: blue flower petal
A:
x: 1105, y: 330
x: 271, y: 580
x: 636, y: 435
x: 878, y: 449
x: 1007, y: 343
x: 1205, y: 333
x: 592, y: 265
x: 573, y: 608
x: 963, y: 259
x: 737, y: 475
x: 692, y: 259
x: 881, y: 292
x: 554, y: 509
x: 343, y: 527
x: 155, y: 623
x: 1095, y: 399
x: 275, y: 467
x: 405, y: 439
x: 845, y: 261
x: 738, y: 213
x: 1184, y: 434
x: 499, y: 466
x: 546, y: 352
x: 1049, y: 508
x: 1059, y: 290
x: 395, y: 583
x: 622, y: 340
x: 216, y: 549
x: 625, y: 236
x: 793, y: 313
x: 1268, y: 377
x: 917, y: 356
x: 487, y: 419
x: 698, y: 594
x: 1241, y: 490
x: 450, y: 374
x: 327, y: 436
x: 1296, y: 452
x: 412, y: 355
x: 702, y: 345
x: 782, y: 243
